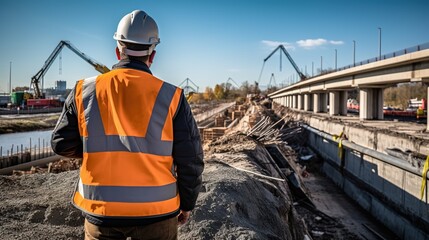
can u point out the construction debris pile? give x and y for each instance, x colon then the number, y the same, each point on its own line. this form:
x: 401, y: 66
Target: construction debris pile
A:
x: 244, y: 194
x: 63, y: 165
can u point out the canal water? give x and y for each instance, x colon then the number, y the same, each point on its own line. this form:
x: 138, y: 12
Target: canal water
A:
x: 16, y: 139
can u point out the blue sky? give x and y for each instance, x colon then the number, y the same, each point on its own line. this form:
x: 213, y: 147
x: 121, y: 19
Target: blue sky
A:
x: 207, y: 41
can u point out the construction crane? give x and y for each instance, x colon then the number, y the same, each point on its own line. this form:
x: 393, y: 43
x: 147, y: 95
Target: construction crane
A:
x: 188, y: 89
x: 283, y: 49
x: 231, y: 80
x: 272, y: 79
x: 35, y: 80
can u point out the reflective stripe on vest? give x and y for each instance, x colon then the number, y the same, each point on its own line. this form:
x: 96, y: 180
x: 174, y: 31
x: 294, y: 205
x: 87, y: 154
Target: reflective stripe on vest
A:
x: 98, y: 141
x: 127, y: 194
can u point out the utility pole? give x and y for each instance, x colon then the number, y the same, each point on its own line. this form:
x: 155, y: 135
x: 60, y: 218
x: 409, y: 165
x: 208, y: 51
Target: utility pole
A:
x: 321, y: 64
x: 335, y: 59
x: 10, y: 77
x: 379, y: 43
x: 312, y: 69
x: 354, y: 53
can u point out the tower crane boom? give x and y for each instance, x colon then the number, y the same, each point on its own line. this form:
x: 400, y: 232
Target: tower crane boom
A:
x: 283, y: 49
x: 35, y: 80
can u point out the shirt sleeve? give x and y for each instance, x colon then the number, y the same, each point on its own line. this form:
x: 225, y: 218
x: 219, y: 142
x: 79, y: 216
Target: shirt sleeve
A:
x: 188, y: 155
x: 65, y: 139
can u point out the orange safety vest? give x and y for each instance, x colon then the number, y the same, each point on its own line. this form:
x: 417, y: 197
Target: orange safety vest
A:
x: 125, y: 120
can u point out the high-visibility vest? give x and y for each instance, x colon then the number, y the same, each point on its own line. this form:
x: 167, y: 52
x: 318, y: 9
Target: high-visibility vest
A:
x: 125, y: 120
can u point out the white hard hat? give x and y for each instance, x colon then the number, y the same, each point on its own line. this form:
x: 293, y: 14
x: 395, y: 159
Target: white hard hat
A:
x: 139, y: 28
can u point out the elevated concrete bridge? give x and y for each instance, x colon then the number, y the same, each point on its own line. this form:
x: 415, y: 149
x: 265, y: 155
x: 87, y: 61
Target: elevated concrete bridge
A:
x: 369, y: 78
x: 394, y: 190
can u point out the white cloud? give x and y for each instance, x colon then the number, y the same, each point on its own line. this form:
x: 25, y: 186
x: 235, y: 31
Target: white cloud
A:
x: 274, y: 44
x: 306, y: 44
x: 336, y: 42
x: 311, y: 43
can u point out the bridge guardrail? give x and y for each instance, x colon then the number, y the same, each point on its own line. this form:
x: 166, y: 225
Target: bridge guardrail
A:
x: 387, y: 56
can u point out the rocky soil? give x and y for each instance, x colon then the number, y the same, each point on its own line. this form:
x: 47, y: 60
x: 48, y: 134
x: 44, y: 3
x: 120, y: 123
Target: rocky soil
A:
x: 37, y: 206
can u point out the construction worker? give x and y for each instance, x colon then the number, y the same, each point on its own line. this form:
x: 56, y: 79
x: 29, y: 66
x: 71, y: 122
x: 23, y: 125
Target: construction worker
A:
x: 141, y: 148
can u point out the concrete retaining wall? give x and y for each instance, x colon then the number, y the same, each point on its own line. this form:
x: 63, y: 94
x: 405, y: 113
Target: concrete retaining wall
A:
x: 389, y: 193
x: 370, y: 137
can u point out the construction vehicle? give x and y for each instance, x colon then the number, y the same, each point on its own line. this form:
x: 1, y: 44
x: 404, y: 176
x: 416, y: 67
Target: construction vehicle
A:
x: 35, y: 80
x: 415, y: 109
x: 352, y: 105
x: 283, y: 49
x: 422, y: 108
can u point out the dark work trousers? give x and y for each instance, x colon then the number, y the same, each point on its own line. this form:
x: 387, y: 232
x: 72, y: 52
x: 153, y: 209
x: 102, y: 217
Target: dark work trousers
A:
x: 166, y: 229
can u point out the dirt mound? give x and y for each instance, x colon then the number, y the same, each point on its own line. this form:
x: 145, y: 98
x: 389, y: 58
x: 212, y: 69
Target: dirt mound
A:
x: 38, y: 206
x: 234, y: 205
x: 237, y: 201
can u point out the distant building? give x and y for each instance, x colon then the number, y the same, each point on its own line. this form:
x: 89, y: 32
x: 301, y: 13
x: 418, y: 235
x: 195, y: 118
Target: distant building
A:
x: 60, y: 85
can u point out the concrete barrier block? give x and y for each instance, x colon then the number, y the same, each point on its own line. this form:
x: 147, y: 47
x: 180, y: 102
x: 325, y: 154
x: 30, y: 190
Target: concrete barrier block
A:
x: 375, y: 171
x: 353, y: 162
x: 412, y: 184
x: 388, y: 141
x: 393, y: 182
x: 361, y: 136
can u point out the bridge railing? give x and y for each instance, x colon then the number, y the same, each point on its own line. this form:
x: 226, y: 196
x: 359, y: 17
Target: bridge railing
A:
x: 388, y: 55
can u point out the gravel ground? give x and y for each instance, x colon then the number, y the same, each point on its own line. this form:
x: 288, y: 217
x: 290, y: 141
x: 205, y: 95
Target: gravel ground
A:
x: 37, y: 206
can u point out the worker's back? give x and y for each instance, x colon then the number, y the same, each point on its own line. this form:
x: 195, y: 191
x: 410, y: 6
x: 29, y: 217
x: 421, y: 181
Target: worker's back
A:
x: 141, y: 149
x: 127, y: 99
x: 126, y: 123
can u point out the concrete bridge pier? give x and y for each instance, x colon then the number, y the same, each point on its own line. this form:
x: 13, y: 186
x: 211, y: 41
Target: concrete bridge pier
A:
x: 316, y: 102
x: 300, y: 100
x: 294, y: 101
x: 343, y: 103
x: 334, y: 103
x: 308, y: 102
x: 338, y: 103
x: 371, y: 103
x: 319, y: 102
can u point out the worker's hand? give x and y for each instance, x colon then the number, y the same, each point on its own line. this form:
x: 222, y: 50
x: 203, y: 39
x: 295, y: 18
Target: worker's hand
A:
x: 183, y: 217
